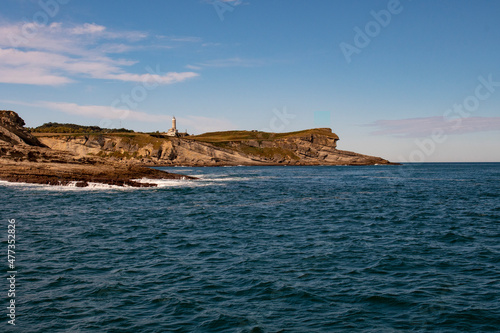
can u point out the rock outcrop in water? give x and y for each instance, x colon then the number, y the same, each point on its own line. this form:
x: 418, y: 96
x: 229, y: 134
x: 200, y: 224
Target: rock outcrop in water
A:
x: 309, y: 147
x: 23, y: 158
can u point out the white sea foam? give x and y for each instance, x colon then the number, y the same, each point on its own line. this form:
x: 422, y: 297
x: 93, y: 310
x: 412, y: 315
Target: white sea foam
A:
x: 219, y: 178
x: 165, y: 182
x: 203, y: 180
x: 71, y: 186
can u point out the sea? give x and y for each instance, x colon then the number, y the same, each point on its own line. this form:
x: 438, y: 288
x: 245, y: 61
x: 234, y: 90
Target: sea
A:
x: 410, y: 248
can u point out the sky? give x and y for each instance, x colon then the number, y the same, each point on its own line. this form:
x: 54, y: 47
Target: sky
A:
x: 407, y: 80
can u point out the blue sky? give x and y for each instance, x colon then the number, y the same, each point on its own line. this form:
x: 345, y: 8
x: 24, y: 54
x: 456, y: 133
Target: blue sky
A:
x: 406, y: 80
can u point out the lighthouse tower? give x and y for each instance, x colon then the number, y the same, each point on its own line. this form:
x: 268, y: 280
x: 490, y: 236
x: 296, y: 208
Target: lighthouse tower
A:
x: 173, y: 131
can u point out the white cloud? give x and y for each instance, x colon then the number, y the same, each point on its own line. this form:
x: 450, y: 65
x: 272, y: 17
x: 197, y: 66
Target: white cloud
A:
x: 88, y: 28
x: 168, y: 78
x: 75, y: 40
x: 56, y: 55
x: 34, y: 76
x: 211, y: 44
x: 43, y: 68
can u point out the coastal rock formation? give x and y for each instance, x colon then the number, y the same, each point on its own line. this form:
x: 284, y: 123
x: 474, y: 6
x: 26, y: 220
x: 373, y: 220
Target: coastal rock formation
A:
x: 122, y: 158
x: 309, y: 147
x: 23, y: 158
x: 12, y: 131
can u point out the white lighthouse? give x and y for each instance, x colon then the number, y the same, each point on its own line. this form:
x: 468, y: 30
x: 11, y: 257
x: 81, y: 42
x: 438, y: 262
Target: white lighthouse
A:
x: 173, y: 131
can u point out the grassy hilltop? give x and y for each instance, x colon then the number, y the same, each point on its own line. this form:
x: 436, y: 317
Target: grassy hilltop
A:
x: 234, y: 136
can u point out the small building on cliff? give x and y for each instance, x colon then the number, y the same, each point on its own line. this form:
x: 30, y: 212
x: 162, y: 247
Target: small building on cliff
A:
x: 173, y: 131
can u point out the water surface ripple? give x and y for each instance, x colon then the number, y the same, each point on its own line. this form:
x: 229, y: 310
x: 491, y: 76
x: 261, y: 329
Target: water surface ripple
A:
x: 410, y: 248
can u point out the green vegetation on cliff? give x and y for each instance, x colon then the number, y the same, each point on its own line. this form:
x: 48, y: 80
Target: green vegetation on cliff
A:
x: 233, y: 136
x: 73, y: 128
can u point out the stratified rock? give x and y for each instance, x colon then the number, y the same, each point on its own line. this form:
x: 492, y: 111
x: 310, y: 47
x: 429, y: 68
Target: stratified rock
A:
x: 309, y: 147
x: 23, y: 158
x: 118, y: 159
x: 12, y: 130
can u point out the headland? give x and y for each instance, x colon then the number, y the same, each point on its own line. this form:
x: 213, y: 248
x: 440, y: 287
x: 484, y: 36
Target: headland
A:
x: 58, y: 154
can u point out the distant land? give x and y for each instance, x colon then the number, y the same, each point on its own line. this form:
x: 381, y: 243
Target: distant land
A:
x: 61, y: 153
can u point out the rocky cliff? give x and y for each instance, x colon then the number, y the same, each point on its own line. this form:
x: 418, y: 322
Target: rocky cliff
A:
x: 309, y: 147
x: 23, y: 158
x: 121, y: 158
x: 12, y: 131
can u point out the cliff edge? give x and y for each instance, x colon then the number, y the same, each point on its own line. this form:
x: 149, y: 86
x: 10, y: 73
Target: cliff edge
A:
x: 12, y: 131
x: 23, y: 158
x: 308, y: 147
x: 123, y: 158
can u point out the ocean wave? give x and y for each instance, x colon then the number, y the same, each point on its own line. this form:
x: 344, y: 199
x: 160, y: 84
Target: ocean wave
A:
x: 71, y: 186
x: 204, y: 180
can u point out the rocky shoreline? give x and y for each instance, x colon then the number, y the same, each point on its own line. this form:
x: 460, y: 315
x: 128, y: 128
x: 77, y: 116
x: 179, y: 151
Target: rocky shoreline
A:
x: 24, y: 159
x: 80, y: 175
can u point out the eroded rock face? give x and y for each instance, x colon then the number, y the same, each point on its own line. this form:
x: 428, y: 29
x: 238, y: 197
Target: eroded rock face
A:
x: 12, y: 130
x: 23, y: 158
x: 314, y: 147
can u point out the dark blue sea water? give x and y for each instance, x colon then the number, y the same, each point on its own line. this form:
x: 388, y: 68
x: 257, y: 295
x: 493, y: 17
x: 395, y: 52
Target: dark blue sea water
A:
x: 412, y: 248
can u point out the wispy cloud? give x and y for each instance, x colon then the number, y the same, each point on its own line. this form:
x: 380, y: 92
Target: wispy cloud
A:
x: 58, y: 55
x: 78, y: 40
x: 30, y: 75
x: 194, y: 124
x: 421, y: 127
x: 88, y: 28
x: 211, y: 44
